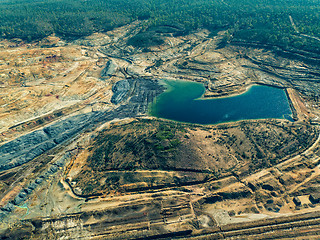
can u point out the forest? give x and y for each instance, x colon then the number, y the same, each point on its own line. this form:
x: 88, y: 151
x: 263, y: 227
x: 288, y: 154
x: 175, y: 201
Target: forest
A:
x: 259, y: 21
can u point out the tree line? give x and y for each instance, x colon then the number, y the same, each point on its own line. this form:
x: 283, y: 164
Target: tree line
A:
x: 264, y: 21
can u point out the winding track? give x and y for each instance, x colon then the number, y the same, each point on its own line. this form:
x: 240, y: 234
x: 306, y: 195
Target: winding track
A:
x: 276, y: 228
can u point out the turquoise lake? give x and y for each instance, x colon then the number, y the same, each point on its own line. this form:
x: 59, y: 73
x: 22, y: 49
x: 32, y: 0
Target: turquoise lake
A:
x: 182, y: 102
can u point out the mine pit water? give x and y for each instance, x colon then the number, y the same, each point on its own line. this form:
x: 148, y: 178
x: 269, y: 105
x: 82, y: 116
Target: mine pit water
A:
x: 182, y: 101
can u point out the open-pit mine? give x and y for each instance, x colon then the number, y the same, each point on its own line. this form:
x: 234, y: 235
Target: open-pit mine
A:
x: 82, y: 158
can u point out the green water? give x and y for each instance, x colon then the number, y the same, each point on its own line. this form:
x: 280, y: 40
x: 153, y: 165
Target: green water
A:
x: 182, y: 102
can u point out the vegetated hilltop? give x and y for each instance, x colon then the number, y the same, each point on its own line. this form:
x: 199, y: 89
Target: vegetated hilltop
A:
x: 147, y: 154
x: 266, y: 22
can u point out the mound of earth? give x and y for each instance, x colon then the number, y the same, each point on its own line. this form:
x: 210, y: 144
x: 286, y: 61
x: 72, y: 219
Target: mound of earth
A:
x: 151, y: 154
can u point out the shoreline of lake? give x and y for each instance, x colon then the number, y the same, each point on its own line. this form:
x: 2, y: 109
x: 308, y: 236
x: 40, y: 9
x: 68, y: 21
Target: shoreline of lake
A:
x: 184, y: 97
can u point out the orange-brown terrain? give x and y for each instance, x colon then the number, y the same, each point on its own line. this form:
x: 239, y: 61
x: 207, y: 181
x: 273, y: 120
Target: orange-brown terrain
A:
x: 81, y: 158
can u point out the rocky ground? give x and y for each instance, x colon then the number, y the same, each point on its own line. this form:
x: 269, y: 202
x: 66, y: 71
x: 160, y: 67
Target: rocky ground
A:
x: 79, y: 158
